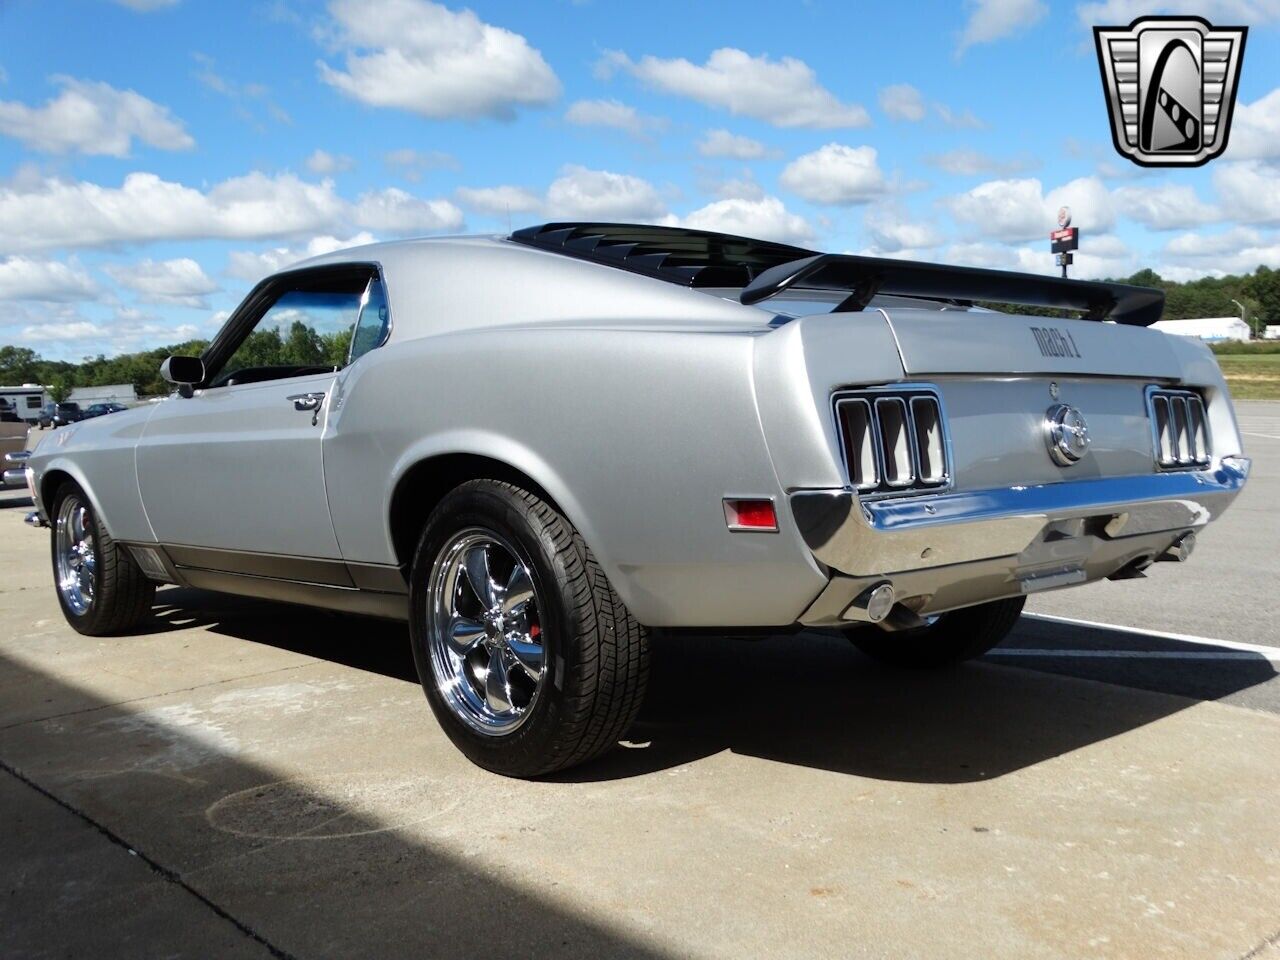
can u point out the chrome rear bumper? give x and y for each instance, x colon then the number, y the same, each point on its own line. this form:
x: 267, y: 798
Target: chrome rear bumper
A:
x: 956, y: 549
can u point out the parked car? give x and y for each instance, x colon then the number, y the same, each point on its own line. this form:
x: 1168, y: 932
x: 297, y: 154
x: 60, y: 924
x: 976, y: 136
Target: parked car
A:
x: 59, y: 414
x: 102, y: 409
x: 539, y: 448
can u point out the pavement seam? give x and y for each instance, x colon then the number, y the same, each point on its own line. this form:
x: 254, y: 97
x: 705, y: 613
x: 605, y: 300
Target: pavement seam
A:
x: 170, y: 876
x: 154, y: 696
x: 1270, y: 941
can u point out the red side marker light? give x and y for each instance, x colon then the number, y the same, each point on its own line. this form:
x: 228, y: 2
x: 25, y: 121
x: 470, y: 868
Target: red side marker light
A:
x: 756, y: 516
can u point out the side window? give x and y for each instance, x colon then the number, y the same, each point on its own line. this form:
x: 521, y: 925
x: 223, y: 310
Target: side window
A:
x: 304, y: 331
x: 374, y: 323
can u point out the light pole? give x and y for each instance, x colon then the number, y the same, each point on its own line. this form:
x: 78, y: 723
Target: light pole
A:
x: 1244, y: 313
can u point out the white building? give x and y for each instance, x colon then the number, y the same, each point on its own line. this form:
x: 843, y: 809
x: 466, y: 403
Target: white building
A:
x: 1271, y: 332
x: 1209, y: 329
x: 111, y: 393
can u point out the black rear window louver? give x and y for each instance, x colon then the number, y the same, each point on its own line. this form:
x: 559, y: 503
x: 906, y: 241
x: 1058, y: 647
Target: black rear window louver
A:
x: 691, y: 258
x: 699, y: 258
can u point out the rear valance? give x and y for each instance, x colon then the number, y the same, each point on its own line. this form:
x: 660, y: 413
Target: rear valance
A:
x: 865, y: 277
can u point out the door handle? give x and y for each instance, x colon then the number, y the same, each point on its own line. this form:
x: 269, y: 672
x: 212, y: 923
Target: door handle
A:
x: 308, y: 402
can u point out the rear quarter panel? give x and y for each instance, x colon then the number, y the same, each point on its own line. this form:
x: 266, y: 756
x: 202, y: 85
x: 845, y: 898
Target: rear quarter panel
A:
x: 636, y: 433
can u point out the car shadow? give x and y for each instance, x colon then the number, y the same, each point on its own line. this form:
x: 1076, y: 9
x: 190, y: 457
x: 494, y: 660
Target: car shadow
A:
x: 810, y: 698
x: 308, y: 866
x: 13, y: 503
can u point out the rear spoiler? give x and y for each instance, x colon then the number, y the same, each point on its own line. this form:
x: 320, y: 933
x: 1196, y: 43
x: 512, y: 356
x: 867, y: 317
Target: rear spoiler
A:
x: 865, y: 277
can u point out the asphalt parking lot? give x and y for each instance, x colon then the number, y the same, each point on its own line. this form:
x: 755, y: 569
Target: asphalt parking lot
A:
x: 256, y: 780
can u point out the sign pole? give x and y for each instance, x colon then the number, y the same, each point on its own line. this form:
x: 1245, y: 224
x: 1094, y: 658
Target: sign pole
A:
x: 1065, y: 239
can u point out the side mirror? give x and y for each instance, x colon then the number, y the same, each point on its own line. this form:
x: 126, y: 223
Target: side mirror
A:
x: 183, y: 370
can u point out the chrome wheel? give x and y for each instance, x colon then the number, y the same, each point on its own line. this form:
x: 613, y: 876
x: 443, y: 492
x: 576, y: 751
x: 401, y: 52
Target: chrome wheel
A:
x: 485, y: 632
x: 76, y: 554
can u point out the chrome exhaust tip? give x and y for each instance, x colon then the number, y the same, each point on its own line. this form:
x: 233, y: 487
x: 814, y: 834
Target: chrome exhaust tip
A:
x: 1180, y: 550
x: 34, y: 519
x: 872, y: 605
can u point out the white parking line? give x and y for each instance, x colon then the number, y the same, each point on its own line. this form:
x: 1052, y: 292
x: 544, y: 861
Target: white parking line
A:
x: 1264, y: 436
x: 1274, y: 656
x: 1227, y: 649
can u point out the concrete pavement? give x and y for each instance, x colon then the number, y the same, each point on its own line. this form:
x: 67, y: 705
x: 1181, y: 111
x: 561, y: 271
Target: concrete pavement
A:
x: 284, y: 790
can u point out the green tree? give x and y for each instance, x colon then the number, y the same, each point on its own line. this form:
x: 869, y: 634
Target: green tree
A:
x: 60, y: 388
x: 303, y: 346
x: 18, y: 365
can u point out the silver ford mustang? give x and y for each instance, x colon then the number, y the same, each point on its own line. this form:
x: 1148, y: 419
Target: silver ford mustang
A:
x: 538, y: 448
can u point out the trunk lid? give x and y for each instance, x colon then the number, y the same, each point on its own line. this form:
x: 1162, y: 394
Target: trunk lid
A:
x: 940, y: 342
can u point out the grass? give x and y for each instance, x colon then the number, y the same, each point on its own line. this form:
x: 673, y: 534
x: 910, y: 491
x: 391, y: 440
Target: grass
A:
x: 1252, y: 376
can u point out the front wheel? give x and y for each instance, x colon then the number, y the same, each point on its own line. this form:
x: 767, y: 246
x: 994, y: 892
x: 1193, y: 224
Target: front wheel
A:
x: 100, y: 588
x: 953, y: 637
x: 528, y: 658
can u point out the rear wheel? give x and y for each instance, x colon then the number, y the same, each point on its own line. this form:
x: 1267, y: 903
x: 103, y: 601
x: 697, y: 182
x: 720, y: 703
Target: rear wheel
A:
x: 951, y: 638
x: 100, y: 588
x: 529, y: 660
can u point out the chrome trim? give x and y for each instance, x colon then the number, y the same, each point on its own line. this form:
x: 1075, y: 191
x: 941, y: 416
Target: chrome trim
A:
x: 15, y: 476
x: 18, y: 456
x: 75, y: 555
x: 1177, y: 460
x: 880, y: 537
x: 364, y: 301
x: 905, y: 393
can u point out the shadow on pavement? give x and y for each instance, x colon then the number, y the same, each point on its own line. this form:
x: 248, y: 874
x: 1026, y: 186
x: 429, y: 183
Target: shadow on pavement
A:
x: 311, y: 872
x: 810, y: 698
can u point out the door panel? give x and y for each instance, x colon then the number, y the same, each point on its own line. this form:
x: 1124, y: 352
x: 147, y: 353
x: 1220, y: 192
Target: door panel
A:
x: 240, y: 468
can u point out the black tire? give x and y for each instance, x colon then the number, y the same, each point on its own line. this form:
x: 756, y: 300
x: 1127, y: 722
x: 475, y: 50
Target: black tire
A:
x: 596, y: 655
x: 122, y: 596
x: 956, y: 636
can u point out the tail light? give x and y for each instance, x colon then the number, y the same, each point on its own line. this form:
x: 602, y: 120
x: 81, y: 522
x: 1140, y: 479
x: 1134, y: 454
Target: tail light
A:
x: 894, y: 440
x: 1179, y: 428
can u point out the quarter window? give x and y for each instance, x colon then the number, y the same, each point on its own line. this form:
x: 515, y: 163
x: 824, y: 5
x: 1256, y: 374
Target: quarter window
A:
x: 374, y: 323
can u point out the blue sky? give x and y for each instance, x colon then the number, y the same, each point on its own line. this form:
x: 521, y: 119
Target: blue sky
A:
x: 159, y: 156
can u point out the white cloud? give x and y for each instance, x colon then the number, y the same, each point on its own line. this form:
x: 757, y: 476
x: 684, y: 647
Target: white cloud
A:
x: 722, y: 143
x: 765, y: 218
x: 324, y: 163
x: 51, y: 281
x: 902, y: 101
x: 991, y: 20
x: 964, y: 119
x: 835, y: 174
x: 783, y: 92
x: 1237, y: 250
x: 891, y: 230
x: 499, y: 201
x: 412, y: 164
x: 395, y: 211
x: 612, y: 113
x: 1016, y: 210
x: 1255, y: 129
x: 427, y: 59
x: 254, y: 265
x: 965, y: 162
x: 47, y: 212
x: 582, y: 194
x: 95, y: 119
x: 1167, y: 206
x: 1249, y: 191
x: 1124, y: 12
x: 180, y: 282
